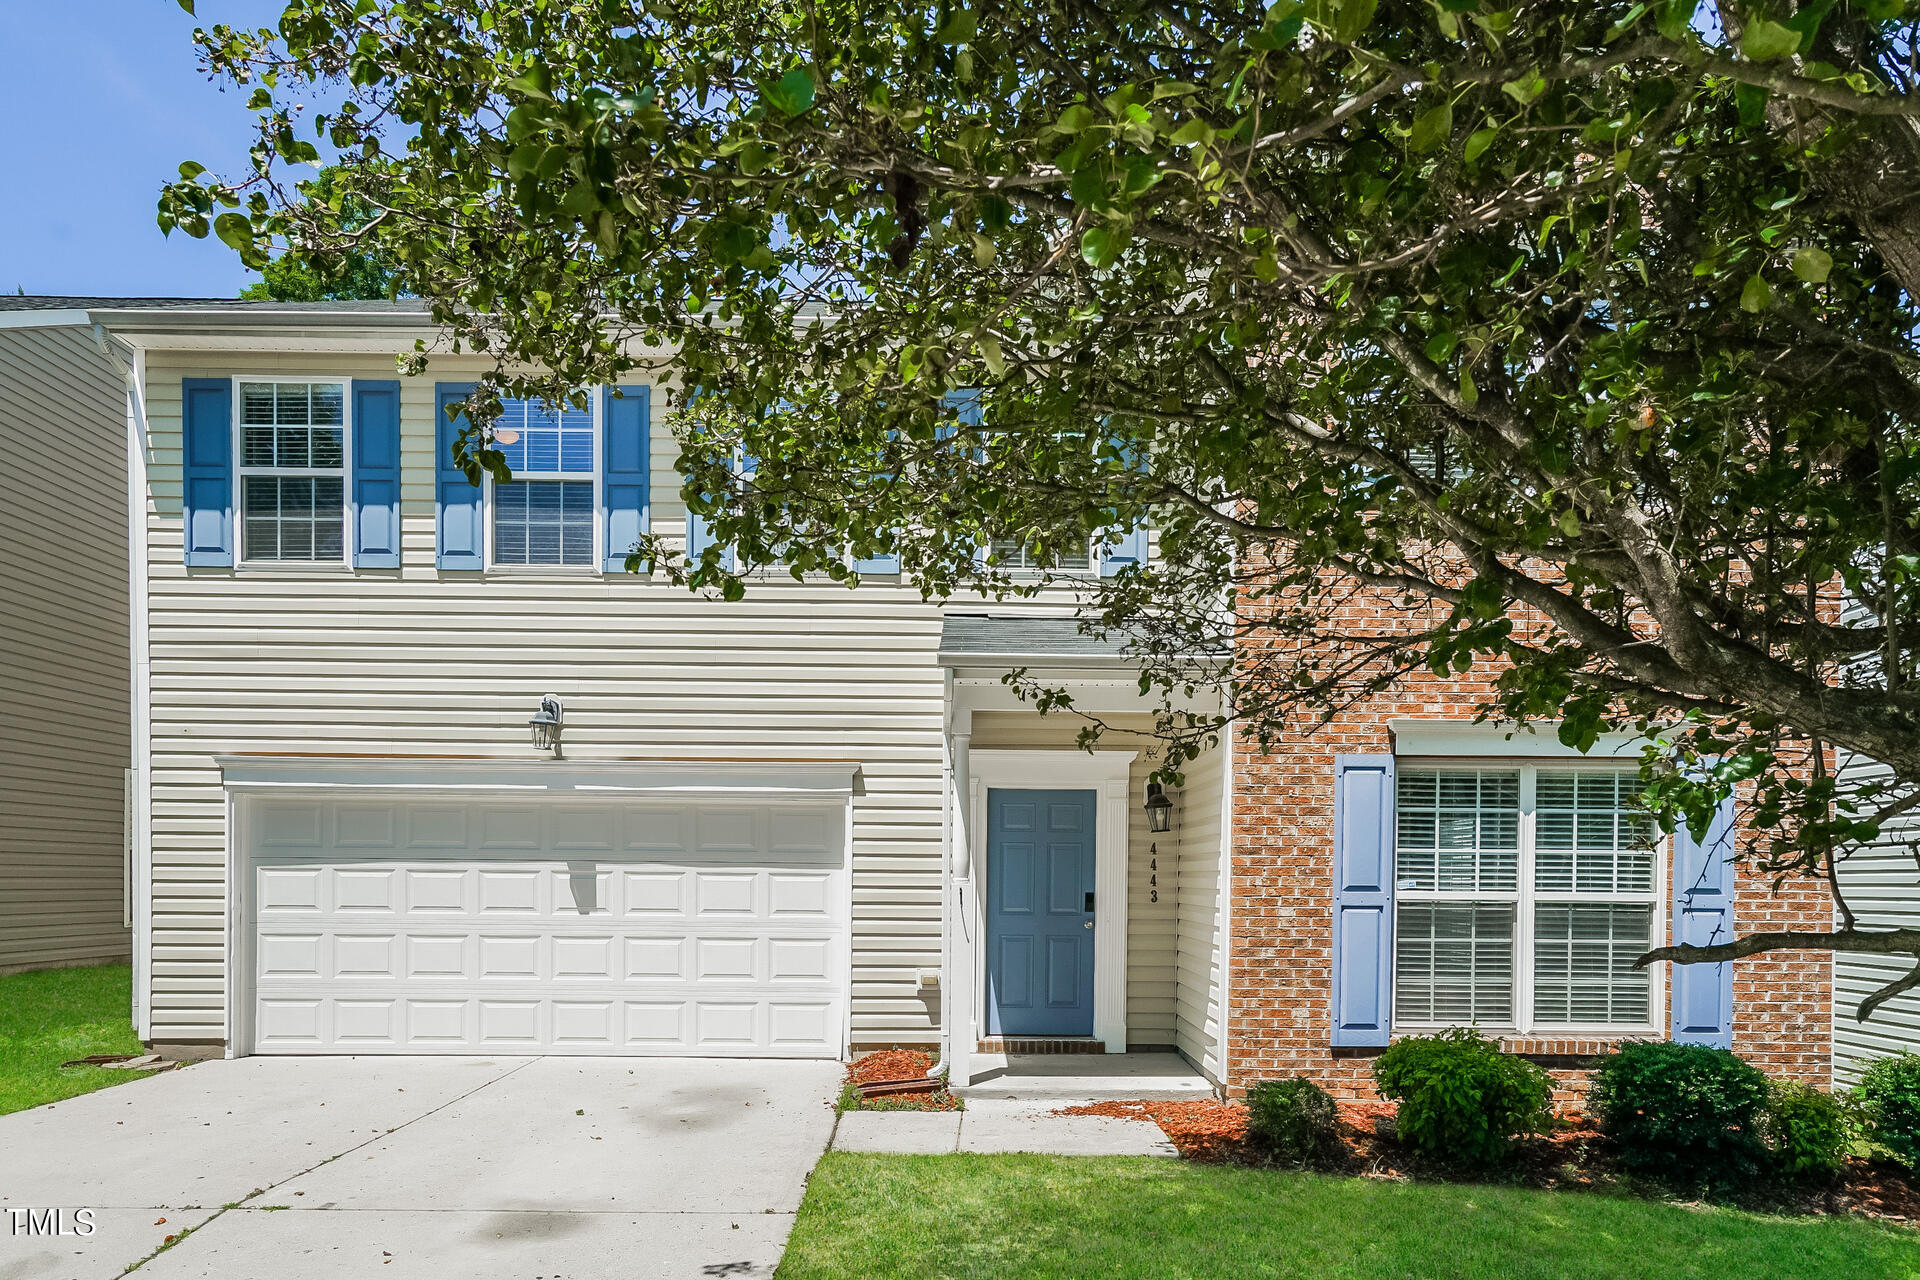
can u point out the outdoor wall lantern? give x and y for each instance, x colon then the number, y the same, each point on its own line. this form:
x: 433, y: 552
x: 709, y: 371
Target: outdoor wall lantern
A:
x: 1159, y: 809
x: 546, y: 724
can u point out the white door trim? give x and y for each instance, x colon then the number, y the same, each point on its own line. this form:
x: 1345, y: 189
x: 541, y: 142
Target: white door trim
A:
x: 1107, y: 774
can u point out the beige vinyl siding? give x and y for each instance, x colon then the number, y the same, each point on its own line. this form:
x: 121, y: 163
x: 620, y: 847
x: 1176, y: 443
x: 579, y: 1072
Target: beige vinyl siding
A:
x: 65, y: 680
x: 1200, y: 995
x: 1152, y: 937
x: 419, y: 662
x: 1882, y: 885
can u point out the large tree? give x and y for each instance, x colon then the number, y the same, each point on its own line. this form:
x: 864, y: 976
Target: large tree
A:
x: 1581, y: 336
x: 325, y: 277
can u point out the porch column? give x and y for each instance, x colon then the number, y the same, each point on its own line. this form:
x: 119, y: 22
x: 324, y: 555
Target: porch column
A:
x: 956, y: 1000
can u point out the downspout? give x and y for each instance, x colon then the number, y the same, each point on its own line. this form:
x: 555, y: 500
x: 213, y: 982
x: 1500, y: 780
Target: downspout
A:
x: 946, y: 894
x: 140, y: 905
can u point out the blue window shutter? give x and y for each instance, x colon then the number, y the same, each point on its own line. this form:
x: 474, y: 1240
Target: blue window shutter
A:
x: 700, y: 537
x: 457, y: 501
x: 376, y: 474
x: 1362, y: 899
x: 1130, y: 550
x: 206, y: 480
x: 1703, y: 916
x: 623, y: 454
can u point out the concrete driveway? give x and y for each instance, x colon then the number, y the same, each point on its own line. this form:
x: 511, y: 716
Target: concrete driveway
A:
x: 405, y: 1168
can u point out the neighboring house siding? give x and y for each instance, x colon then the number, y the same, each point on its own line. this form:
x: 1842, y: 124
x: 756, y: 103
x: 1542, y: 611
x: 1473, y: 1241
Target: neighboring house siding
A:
x: 1200, y: 996
x: 1152, y: 927
x: 65, y: 683
x: 1882, y: 885
x: 417, y: 661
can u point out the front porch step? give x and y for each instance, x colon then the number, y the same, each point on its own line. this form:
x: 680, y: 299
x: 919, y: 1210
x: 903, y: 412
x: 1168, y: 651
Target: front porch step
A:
x: 1110, y: 1077
x: 1040, y: 1044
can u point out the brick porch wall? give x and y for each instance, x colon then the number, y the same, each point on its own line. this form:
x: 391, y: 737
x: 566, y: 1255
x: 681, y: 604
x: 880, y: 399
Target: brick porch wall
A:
x: 1280, y: 961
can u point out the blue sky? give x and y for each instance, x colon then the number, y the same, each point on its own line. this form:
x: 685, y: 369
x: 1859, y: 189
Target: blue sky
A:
x: 103, y: 99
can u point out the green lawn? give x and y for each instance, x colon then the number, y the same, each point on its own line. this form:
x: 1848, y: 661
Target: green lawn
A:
x: 49, y: 1016
x: 1122, y: 1218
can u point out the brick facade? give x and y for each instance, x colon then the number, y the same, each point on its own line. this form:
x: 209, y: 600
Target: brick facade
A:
x: 1280, y: 960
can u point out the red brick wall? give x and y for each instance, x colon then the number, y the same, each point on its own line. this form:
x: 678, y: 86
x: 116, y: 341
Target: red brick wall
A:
x: 1281, y: 948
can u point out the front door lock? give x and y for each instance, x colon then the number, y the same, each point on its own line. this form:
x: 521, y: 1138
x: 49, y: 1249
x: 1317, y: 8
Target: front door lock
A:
x: 1089, y: 902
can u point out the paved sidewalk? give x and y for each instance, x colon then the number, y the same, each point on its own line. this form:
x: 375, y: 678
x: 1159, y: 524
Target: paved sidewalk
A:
x: 990, y: 1125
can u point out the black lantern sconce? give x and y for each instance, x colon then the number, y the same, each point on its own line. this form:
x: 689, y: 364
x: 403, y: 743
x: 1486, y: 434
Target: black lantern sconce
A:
x: 545, y: 724
x: 1159, y: 809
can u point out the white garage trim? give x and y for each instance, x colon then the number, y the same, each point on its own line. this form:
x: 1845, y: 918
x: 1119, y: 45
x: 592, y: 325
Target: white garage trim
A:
x: 516, y: 774
x: 260, y: 786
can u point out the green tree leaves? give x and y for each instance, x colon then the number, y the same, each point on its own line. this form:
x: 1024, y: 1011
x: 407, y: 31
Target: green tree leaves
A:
x: 791, y: 94
x: 1470, y: 306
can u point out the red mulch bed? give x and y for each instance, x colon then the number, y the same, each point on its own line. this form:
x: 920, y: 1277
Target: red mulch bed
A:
x: 1572, y: 1157
x: 898, y: 1064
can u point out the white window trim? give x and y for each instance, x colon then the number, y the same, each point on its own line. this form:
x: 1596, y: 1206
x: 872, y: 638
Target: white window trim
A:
x: 349, y: 512
x: 596, y: 408
x: 1525, y: 898
x: 1098, y: 550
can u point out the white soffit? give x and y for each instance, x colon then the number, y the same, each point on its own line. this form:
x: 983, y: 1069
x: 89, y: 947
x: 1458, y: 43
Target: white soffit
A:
x: 1503, y: 740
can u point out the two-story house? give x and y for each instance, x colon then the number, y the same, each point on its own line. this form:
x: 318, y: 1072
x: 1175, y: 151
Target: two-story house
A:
x: 420, y: 768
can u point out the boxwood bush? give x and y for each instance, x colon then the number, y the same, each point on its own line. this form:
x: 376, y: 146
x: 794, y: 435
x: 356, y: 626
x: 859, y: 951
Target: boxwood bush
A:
x: 1891, y: 1091
x: 1682, y: 1113
x: 1461, y: 1099
x: 1293, y: 1120
x: 1808, y: 1131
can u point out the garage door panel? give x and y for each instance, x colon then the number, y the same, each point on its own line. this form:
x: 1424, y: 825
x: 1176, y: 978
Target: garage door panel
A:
x: 366, y: 889
x: 443, y: 1024
x: 437, y: 826
x: 440, y: 956
x: 549, y: 928
x: 364, y: 826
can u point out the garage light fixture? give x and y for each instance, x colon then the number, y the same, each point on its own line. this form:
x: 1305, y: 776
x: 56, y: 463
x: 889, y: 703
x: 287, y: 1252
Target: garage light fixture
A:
x: 1159, y: 809
x: 546, y: 724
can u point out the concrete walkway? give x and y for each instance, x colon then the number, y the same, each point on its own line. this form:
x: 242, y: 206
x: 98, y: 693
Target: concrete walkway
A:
x: 991, y: 1125
x: 421, y: 1168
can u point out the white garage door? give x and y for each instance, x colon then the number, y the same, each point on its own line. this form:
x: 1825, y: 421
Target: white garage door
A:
x: 564, y: 926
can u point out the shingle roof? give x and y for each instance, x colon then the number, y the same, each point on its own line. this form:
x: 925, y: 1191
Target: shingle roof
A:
x: 42, y: 302
x: 966, y: 638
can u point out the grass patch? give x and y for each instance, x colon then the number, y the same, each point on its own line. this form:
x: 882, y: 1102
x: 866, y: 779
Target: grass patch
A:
x: 1038, y: 1217
x: 49, y: 1016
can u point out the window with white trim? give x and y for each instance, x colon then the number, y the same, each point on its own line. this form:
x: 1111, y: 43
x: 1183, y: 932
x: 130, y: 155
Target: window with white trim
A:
x: 1017, y: 556
x: 293, y: 470
x: 546, y: 515
x: 1523, y: 894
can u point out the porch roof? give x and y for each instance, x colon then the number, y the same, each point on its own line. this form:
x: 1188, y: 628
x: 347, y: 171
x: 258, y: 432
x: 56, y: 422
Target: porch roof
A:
x: 982, y: 639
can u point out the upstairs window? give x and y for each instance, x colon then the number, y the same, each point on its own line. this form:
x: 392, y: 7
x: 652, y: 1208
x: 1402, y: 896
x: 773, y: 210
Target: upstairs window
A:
x: 1017, y: 557
x: 545, y: 515
x: 293, y: 471
x: 1522, y: 895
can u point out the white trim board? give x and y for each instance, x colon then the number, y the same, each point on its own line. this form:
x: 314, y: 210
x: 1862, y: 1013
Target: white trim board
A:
x: 1503, y: 739
x: 765, y: 779
x: 1108, y: 774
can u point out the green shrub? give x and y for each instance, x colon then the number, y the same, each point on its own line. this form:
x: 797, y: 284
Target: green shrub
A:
x: 1293, y: 1120
x: 1461, y: 1099
x: 1683, y: 1113
x: 1807, y: 1130
x: 1891, y: 1090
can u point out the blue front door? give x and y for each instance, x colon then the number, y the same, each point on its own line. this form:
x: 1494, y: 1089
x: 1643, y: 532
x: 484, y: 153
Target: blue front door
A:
x: 1040, y: 913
